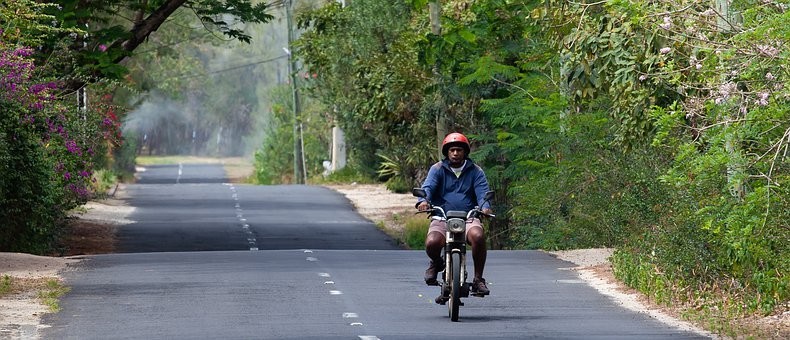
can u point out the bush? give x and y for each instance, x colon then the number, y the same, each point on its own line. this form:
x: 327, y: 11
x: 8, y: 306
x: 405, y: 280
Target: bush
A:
x: 48, y: 151
x: 398, y: 185
x: 125, y: 157
x: 587, y: 192
x: 31, y: 200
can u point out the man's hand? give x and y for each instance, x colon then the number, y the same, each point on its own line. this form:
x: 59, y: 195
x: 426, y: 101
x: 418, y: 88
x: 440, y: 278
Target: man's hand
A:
x: 424, y: 206
x: 488, y: 211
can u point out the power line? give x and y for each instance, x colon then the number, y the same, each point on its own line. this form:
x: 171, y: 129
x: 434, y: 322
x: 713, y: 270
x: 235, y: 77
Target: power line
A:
x: 230, y: 68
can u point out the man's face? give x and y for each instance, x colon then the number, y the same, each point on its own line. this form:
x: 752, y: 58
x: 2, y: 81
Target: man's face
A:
x: 456, y: 155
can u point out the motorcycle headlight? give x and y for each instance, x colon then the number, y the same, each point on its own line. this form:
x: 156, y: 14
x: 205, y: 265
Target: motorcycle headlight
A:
x: 456, y: 225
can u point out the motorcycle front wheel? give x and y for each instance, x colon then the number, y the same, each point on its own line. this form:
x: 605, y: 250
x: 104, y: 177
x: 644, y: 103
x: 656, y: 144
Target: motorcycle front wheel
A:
x: 455, y: 287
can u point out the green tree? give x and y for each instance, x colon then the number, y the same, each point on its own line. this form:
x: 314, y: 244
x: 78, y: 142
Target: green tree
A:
x: 364, y: 61
x: 117, y: 28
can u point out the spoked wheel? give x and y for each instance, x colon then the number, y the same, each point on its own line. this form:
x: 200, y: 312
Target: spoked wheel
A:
x: 455, y: 286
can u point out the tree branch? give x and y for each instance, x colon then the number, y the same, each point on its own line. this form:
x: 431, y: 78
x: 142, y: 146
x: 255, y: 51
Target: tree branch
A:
x: 143, y: 29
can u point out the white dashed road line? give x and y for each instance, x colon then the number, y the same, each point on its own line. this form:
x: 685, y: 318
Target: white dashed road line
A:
x: 347, y: 315
x: 252, y: 242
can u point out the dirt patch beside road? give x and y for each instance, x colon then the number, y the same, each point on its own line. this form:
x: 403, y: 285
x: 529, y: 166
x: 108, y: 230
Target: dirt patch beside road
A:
x: 376, y: 203
x: 91, y: 231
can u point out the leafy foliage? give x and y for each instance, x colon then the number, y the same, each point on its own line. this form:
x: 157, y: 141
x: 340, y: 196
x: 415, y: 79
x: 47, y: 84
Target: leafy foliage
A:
x: 712, y: 94
x: 270, y: 165
x: 102, y: 34
x: 27, y: 192
x: 660, y: 128
x: 657, y: 127
x: 365, y: 66
x: 48, y: 154
x: 274, y: 162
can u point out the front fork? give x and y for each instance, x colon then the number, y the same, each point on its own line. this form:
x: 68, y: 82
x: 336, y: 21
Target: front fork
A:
x: 450, y: 247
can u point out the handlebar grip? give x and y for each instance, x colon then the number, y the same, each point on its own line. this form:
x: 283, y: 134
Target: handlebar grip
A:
x: 480, y: 212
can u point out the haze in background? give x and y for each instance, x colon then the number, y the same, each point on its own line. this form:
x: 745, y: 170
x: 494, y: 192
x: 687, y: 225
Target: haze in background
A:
x: 200, y: 95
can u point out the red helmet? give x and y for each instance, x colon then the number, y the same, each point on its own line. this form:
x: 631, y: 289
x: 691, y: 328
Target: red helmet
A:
x: 455, y: 139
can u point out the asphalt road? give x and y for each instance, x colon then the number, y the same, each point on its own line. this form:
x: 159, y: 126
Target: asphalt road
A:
x: 209, y: 260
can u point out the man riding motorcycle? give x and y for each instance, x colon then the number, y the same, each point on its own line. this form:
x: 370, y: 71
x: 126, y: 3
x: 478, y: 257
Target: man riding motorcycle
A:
x: 456, y: 183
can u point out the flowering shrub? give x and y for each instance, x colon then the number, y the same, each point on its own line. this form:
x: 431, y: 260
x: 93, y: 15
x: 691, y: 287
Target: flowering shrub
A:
x: 28, y: 196
x: 48, y: 152
x: 16, y: 71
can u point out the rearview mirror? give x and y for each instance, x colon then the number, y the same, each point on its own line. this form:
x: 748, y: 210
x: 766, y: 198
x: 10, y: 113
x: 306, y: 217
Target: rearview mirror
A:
x: 419, y: 192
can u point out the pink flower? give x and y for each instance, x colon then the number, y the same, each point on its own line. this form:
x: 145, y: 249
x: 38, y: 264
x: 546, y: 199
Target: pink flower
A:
x: 102, y: 47
x: 71, y: 146
x: 727, y: 89
x: 763, y: 98
x: 667, y: 23
x: 665, y: 50
x: 768, y: 50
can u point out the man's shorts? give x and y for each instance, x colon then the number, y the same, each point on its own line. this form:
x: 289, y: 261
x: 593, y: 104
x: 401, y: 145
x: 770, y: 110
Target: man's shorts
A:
x: 441, y: 226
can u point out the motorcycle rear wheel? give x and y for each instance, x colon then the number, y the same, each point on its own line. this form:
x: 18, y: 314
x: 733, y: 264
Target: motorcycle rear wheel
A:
x: 455, y: 287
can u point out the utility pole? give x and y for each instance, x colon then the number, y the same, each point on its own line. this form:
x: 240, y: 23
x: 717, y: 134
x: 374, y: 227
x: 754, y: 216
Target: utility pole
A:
x: 435, y: 9
x: 299, y: 166
x: 726, y: 22
x: 338, y: 150
x: 82, y: 100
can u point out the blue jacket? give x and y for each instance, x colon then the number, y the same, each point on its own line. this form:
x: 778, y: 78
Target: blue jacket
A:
x: 462, y: 193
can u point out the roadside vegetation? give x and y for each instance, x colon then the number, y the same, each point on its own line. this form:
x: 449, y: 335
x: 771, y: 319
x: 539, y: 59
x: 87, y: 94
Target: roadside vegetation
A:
x: 58, y: 150
x: 657, y: 128
x: 661, y: 129
x: 415, y: 230
x: 47, y: 290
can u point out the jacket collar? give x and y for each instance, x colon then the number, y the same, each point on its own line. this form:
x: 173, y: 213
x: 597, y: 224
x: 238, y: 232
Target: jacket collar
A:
x: 446, y: 164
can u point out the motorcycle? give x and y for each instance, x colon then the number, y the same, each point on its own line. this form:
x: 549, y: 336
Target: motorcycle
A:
x: 455, y: 285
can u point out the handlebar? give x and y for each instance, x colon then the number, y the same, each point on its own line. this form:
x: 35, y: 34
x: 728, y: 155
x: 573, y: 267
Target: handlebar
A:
x: 419, y: 192
x: 472, y: 213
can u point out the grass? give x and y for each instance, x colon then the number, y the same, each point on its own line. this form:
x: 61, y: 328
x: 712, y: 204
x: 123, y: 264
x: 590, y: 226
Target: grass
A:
x: 346, y: 175
x: 5, y: 285
x: 413, y: 233
x: 48, y: 290
x: 415, y: 228
x: 720, y: 308
x: 51, y: 293
x: 104, y: 180
x: 170, y: 160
